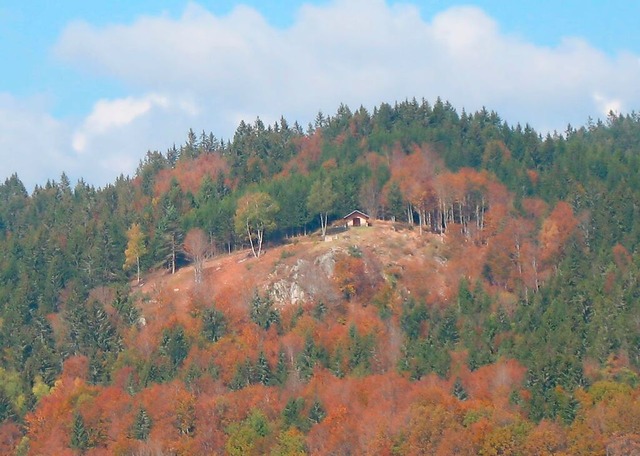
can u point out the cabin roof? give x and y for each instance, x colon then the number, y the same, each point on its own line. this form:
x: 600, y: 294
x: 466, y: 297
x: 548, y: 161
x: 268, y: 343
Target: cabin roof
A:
x: 356, y: 212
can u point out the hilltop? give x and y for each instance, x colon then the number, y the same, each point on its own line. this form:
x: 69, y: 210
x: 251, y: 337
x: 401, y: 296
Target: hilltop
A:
x: 304, y: 265
x: 195, y: 308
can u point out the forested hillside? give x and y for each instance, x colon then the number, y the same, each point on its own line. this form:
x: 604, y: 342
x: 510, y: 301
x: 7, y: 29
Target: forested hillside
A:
x: 198, y: 308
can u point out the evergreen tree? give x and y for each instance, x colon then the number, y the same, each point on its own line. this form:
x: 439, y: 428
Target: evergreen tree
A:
x: 169, y: 237
x: 292, y: 414
x: 317, y: 413
x: 262, y: 312
x: 263, y: 370
x: 244, y: 376
x: 307, y: 359
x: 360, y: 351
x: 282, y: 369
x: 213, y: 324
x: 79, y: 434
x: 142, y: 425
x: 175, y: 345
x: 458, y: 390
x: 7, y: 410
x: 395, y: 202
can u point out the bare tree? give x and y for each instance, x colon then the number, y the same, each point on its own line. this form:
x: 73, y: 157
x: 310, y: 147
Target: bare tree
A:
x: 198, y: 249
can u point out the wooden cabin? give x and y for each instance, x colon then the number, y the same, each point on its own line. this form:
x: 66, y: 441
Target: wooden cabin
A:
x: 356, y: 218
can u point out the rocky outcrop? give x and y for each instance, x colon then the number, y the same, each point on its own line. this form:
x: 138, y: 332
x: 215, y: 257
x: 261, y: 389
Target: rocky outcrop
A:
x: 305, y: 281
x: 327, y: 262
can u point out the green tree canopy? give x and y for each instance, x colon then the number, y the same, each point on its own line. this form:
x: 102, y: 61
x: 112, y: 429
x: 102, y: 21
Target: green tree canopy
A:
x: 321, y: 200
x: 255, y: 214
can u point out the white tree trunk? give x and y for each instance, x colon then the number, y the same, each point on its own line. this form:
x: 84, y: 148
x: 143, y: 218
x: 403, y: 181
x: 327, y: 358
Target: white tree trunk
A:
x: 253, y: 249
x: 260, y: 234
x: 173, y: 254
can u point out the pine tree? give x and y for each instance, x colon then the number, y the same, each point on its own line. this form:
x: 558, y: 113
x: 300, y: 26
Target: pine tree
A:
x: 169, y: 236
x: 359, y: 350
x: 319, y: 311
x: 263, y: 371
x: 307, y: 359
x: 262, y: 312
x: 459, y: 391
x: 291, y: 414
x: 79, y: 434
x: 317, y: 413
x: 142, y: 425
x: 395, y: 202
x: 243, y: 376
x: 282, y: 369
x: 6, y: 406
x: 213, y: 324
x: 175, y: 345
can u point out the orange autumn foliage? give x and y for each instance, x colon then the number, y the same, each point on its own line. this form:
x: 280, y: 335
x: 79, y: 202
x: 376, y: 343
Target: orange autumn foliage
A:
x: 10, y: 437
x: 555, y: 232
x: 309, y: 150
x: 190, y: 173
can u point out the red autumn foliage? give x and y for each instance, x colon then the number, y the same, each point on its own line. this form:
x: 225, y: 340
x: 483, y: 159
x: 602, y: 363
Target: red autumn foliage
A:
x: 309, y: 149
x: 555, y: 232
x: 533, y: 176
x: 622, y: 258
x: 190, y: 173
x: 534, y: 207
x: 10, y: 437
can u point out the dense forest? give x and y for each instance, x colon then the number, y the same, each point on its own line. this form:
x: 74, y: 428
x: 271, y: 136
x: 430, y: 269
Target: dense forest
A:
x: 210, y: 305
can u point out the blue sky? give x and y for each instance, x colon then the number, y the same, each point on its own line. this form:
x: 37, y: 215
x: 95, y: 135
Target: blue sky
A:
x: 89, y: 87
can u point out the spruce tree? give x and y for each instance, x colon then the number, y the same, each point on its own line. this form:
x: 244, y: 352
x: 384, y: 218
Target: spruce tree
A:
x: 142, y: 425
x: 263, y: 371
x: 458, y: 390
x: 213, y: 324
x: 317, y: 413
x: 291, y: 414
x: 282, y: 369
x: 79, y: 434
x: 6, y: 406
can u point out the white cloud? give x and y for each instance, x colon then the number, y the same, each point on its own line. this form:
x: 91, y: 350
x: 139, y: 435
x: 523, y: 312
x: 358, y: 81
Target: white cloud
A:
x: 205, y: 71
x: 109, y: 142
x: 357, y: 52
x: 116, y: 113
x: 108, y: 115
x: 115, y: 135
x: 32, y: 143
x: 607, y: 105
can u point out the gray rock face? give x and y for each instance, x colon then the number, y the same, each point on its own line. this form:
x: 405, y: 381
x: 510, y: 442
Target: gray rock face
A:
x: 327, y: 262
x: 305, y: 281
x: 284, y: 291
